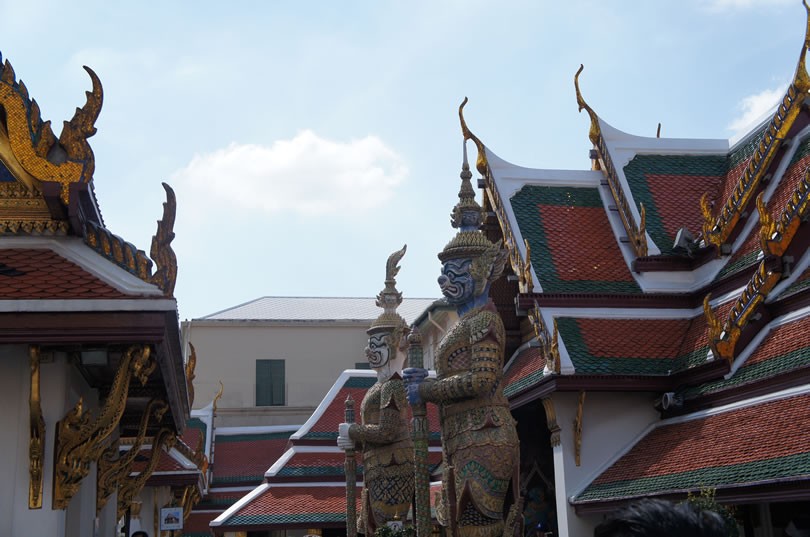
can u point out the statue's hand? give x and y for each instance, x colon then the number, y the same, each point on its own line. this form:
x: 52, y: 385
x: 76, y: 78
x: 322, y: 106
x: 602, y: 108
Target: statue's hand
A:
x: 343, y: 440
x: 413, y: 377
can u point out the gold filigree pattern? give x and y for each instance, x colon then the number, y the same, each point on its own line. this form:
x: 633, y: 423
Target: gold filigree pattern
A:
x: 24, y: 211
x: 551, y: 421
x: 31, y: 140
x: 775, y: 236
x: 578, y: 428
x: 549, y: 341
x: 636, y: 232
x: 80, y: 440
x: 165, y: 275
x: 114, y: 469
x: 131, y: 487
x: 717, y: 229
x: 191, y: 365
x: 36, y: 441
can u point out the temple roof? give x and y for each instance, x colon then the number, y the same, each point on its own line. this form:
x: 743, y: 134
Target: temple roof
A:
x: 760, y: 441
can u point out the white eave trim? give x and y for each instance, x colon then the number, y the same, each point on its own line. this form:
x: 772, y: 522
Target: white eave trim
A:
x: 240, y: 503
x: 75, y: 250
x: 78, y: 305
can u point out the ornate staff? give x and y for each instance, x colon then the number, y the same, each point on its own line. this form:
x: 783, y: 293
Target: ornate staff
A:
x: 350, y: 467
x: 420, y: 444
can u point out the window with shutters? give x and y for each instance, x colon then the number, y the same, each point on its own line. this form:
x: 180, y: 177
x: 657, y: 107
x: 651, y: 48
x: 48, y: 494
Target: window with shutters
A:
x: 362, y: 365
x: 270, y: 382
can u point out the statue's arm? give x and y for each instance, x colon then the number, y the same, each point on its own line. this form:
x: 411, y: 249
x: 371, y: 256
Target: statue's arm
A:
x: 392, y: 400
x: 486, y: 361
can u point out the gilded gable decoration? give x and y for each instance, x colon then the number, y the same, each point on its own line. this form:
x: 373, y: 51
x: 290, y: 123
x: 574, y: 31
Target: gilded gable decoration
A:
x: 776, y: 235
x: 718, y: 228
x: 80, y: 439
x: 636, y: 232
x: 578, y: 428
x: 723, y: 336
x: 29, y: 148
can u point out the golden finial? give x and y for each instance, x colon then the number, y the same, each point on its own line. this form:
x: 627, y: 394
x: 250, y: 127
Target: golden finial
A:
x: 714, y: 324
x: 481, y: 162
x: 165, y: 277
x: 218, y: 396
x: 594, y: 132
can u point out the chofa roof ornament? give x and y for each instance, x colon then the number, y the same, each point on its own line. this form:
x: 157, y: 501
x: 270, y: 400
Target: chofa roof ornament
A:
x: 34, y: 152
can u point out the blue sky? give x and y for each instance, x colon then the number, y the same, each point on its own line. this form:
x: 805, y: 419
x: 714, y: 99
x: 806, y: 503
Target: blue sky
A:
x: 308, y: 140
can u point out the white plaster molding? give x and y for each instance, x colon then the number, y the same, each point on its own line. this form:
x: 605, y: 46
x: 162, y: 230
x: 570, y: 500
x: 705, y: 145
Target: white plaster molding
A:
x: 280, y: 462
x: 241, y: 502
x: 80, y: 304
x: 754, y: 344
x: 256, y: 429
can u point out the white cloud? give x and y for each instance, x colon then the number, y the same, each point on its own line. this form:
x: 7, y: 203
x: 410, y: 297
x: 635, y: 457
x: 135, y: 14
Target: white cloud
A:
x: 729, y: 5
x: 306, y: 174
x: 753, y: 107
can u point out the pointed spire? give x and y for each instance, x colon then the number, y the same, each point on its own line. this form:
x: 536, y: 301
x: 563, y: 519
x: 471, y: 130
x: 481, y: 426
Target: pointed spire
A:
x: 389, y: 298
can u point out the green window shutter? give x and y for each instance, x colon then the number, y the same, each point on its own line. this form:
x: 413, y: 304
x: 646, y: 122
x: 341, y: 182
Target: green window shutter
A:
x: 362, y: 365
x: 270, y: 382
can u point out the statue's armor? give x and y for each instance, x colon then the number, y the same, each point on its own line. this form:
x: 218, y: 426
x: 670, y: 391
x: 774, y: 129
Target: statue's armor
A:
x: 387, y: 455
x: 479, y: 438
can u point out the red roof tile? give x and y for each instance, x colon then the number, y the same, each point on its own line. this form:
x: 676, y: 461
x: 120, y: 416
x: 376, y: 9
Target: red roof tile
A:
x: 334, y: 414
x: 677, y: 199
x: 298, y: 500
x: 247, y: 457
x: 197, y: 523
x: 583, y: 244
x: 47, y: 275
x: 530, y: 362
x: 755, y: 433
x: 782, y: 340
x: 641, y: 338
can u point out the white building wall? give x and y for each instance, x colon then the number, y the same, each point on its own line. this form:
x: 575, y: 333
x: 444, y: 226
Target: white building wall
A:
x: 60, y: 388
x: 610, y: 423
x: 314, y: 353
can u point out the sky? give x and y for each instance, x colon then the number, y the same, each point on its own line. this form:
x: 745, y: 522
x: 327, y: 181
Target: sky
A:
x: 306, y: 141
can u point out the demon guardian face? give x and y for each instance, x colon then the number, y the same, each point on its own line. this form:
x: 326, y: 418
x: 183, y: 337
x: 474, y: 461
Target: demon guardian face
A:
x: 456, y: 282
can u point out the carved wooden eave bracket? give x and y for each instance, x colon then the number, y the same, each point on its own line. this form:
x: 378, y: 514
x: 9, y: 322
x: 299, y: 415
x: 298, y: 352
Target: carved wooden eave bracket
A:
x: 549, y: 341
x: 718, y: 228
x: 36, y: 441
x: 188, y: 499
x: 636, y: 232
x: 80, y: 440
x: 161, y: 252
x: 191, y: 365
x: 776, y: 235
x: 520, y: 267
x: 578, y: 428
x: 132, y: 486
x: 34, y: 154
x: 114, y: 468
x: 724, y: 336
x: 551, y: 421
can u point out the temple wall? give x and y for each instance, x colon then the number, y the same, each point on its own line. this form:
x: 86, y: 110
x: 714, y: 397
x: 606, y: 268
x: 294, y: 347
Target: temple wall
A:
x: 610, y: 422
